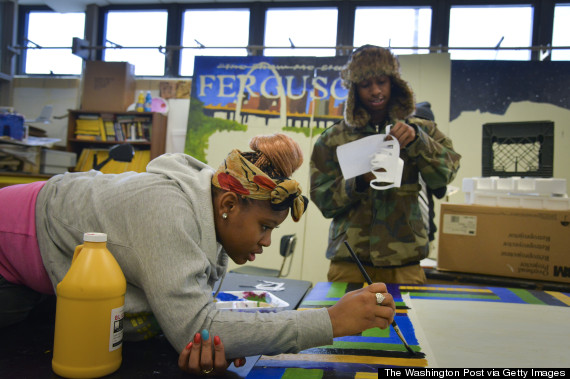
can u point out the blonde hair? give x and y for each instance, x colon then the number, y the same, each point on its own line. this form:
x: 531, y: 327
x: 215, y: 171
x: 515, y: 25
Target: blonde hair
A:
x: 278, y: 155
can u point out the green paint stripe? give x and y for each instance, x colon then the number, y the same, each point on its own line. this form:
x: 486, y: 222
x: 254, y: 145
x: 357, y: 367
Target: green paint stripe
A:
x: 302, y: 373
x: 455, y: 296
x: 376, y: 332
x: 400, y: 304
x: 368, y: 346
x: 526, y: 296
x: 318, y: 302
x: 337, y: 289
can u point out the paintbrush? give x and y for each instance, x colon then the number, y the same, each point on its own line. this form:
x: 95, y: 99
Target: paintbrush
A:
x: 369, y: 281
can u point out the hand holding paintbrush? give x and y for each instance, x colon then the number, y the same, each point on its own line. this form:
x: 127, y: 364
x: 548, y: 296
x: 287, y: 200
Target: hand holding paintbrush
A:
x: 356, y: 311
x: 379, y: 297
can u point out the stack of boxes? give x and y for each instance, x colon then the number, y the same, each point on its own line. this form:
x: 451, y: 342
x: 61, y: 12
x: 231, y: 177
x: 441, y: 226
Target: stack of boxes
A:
x: 535, y: 193
x: 511, y: 227
x: 108, y: 86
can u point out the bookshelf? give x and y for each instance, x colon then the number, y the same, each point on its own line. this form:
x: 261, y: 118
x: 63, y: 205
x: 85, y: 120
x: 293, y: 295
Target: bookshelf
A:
x: 90, y: 132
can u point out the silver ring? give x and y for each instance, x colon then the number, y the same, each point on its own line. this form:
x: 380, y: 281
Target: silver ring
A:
x: 379, y: 298
x: 207, y: 371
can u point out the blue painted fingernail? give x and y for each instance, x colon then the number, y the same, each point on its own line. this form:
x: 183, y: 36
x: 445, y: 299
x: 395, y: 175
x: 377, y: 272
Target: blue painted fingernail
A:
x: 205, y: 335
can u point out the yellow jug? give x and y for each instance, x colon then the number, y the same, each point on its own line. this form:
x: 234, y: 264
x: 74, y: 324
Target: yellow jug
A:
x: 88, y: 338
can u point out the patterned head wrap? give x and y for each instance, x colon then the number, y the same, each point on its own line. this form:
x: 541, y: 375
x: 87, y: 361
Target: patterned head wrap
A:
x: 237, y: 174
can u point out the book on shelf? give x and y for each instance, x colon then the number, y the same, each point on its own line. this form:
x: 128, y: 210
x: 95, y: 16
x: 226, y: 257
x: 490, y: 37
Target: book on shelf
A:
x: 89, y: 128
x: 107, y: 127
x: 119, y: 137
x: 134, y: 128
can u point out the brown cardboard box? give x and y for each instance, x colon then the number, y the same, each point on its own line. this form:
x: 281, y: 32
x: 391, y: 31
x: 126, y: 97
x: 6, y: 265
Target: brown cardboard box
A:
x: 108, y: 86
x: 512, y: 242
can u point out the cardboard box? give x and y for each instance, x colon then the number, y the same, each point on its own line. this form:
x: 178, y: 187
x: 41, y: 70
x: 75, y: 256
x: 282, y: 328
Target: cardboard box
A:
x: 510, y: 242
x: 108, y: 86
x: 58, y: 158
x: 53, y: 170
x: 57, y: 162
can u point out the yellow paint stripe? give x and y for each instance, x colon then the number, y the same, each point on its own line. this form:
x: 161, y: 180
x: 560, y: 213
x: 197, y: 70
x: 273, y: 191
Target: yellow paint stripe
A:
x: 366, y: 375
x: 446, y: 289
x: 335, y: 358
x: 560, y: 296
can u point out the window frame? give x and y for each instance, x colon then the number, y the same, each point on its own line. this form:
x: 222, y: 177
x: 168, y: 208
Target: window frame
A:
x: 304, y: 6
x: 397, y: 5
x: 22, y: 36
x: 101, y: 27
x: 210, y: 8
x: 542, y: 28
x: 497, y: 5
x: 565, y: 3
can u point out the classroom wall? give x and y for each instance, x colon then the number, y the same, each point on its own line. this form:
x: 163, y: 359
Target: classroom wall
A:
x: 430, y: 77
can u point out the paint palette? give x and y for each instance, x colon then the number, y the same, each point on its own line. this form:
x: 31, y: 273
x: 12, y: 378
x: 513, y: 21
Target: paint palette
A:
x: 249, y: 301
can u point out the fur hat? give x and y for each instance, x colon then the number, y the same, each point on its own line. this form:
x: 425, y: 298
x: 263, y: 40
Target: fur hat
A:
x: 370, y: 61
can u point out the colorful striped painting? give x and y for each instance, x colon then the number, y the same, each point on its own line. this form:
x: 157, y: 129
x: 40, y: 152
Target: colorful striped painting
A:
x: 360, y: 356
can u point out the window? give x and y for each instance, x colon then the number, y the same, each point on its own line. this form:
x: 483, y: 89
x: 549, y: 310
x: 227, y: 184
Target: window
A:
x: 127, y: 35
x: 486, y: 26
x: 388, y: 27
x: 54, y: 56
x: 561, y: 32
x: 300, y: 28
x: 213, y: 28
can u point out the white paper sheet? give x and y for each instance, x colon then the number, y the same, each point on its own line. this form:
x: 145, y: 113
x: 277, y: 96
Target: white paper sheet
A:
x: 354, y: 157
x: 485, y: 334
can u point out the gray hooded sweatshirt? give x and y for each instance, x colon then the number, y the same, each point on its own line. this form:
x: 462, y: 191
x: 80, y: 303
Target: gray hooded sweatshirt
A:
x: 160, y: 229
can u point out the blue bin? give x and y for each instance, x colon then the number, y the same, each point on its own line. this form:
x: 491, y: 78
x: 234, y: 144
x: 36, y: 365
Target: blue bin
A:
x: 12, y: 125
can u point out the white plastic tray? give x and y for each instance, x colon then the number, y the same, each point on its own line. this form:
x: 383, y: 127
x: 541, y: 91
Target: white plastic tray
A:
x: 249, y: 301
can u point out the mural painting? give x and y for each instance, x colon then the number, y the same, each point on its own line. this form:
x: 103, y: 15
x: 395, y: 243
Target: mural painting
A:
x: 360, y: 356
x: 294, y: 94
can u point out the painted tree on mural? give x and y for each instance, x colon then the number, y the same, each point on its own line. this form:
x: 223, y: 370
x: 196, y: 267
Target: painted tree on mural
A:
x: 201, y: 127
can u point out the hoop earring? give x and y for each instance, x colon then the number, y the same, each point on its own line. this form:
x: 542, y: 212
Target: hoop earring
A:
x: 225, y: 216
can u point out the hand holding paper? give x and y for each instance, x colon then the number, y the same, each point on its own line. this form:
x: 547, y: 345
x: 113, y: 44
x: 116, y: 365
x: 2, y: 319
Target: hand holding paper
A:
x: 372, y: 154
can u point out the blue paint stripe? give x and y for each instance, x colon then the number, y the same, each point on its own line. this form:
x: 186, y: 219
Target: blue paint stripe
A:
x: 507, y: 296
x: 319, y: 291
x: 394, y: 290
x: 405, y: 326
x: 265, y: 372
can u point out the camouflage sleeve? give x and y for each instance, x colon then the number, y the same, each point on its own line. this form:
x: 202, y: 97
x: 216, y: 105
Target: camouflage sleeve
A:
x: 434, y: 155
x: 330, y: 192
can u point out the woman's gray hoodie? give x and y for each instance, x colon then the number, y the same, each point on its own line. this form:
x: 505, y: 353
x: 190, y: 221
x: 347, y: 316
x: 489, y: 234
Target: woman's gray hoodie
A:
x: 160, y: 228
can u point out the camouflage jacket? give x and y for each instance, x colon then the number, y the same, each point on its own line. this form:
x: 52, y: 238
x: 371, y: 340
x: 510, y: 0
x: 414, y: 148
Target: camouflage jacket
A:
x: 384, y: 228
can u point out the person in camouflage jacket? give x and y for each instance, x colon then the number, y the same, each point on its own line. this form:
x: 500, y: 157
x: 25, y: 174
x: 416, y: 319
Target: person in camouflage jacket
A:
x: 383, y: 227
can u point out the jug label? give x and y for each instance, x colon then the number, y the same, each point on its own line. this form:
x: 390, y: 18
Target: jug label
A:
x: 116, y: 339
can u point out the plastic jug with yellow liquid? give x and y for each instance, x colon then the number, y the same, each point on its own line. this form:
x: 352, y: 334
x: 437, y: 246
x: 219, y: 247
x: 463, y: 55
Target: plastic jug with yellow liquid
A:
x: 88, y: 338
